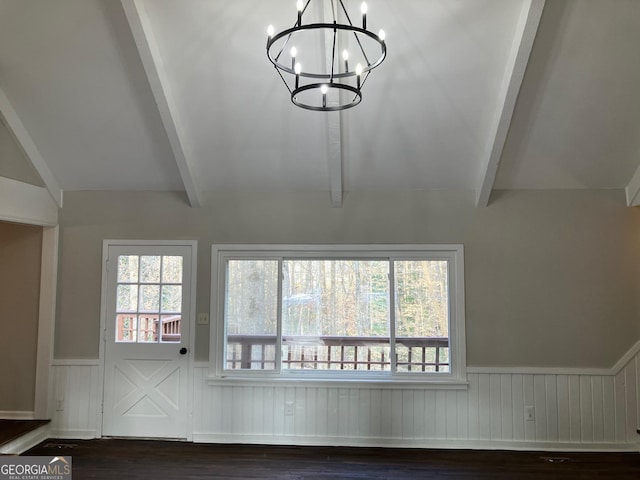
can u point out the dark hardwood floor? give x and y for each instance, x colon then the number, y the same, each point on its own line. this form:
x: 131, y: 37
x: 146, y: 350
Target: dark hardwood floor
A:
x: 12, y: 429
x: 143, y: 459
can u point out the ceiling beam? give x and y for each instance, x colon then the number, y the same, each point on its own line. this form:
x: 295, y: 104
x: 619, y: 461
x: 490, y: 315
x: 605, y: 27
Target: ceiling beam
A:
x: 334, y: 152
x: 633, y: 189
x: 24, y: 203
x: 22, y: 138
x: 152, y: 62
x: 512, y: 81
x: 334, y: 119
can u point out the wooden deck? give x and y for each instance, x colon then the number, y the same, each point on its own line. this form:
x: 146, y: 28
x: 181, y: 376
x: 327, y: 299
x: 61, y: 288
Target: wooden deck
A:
x: 142, y: 459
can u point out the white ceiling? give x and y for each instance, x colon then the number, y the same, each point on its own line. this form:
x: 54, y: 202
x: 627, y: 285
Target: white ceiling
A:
x: 166, y: 95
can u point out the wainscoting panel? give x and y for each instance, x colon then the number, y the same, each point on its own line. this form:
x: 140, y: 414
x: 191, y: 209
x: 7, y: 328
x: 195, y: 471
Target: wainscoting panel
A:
x: 571, y: 410
x: 76, y: 407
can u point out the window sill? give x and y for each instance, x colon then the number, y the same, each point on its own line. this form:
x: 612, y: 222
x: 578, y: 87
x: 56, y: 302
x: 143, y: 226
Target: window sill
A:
x: 334, y: 382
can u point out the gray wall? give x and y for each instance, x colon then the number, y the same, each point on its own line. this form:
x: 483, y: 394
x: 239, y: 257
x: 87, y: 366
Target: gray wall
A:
x: 20, y: 258
x: 552, y: 277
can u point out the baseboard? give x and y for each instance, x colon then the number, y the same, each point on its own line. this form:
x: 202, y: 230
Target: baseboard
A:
x: 16, y: 415
x: 26, y: 441
x: 74, y: 434
x: 409, y: 443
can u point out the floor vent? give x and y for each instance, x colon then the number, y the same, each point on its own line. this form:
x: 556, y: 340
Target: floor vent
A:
x: 556, y: 459
x: 60, y: 445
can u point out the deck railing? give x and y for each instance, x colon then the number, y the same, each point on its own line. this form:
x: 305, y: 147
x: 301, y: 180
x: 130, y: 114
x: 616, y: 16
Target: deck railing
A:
x: 129, y: 331
x: 413, y: 354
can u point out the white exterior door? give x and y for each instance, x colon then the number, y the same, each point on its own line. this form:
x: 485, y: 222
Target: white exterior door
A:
x: 147, y: 314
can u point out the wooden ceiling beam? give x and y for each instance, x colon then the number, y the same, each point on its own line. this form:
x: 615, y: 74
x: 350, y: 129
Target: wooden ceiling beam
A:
x: 24, y: 141
x: 147, y: 46
x: 512, y: 81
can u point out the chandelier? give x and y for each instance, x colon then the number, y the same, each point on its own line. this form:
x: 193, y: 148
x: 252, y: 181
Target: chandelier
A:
x: 325, y: 62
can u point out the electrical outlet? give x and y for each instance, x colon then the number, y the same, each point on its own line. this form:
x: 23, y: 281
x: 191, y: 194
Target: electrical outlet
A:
x: 288, y: 408
x: 59, y: 405
x: 529, y: 413
x: 203, y: 319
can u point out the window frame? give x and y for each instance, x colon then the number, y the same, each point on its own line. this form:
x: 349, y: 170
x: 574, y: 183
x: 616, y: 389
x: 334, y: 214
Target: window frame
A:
x: 452, y: 253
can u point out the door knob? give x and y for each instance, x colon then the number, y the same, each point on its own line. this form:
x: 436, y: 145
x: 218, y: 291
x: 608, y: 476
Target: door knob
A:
x: 183, y: 351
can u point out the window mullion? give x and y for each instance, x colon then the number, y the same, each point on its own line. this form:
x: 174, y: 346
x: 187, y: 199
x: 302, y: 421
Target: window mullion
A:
x: 278, y: 367
x: 392, y: 317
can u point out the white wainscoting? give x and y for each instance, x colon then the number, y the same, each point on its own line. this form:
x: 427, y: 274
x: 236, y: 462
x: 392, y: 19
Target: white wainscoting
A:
x: 77, y: 408
x: 573, y: 411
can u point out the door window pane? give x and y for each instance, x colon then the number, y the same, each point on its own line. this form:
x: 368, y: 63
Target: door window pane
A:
x: 127, y: 300
x: 128, y: 268
x: 148, y: 331
x: 149, y: 269
x: 171, y: 298
x: 171, y: 269
x: 149, y: 298
x: 126, y: 328
x: 170, y: 328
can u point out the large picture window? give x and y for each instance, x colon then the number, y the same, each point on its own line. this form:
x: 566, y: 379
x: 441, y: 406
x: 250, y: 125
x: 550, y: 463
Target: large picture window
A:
x: 339, y: 312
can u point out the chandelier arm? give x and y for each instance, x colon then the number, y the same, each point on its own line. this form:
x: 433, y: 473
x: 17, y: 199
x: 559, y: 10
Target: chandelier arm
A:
x: 284, y: 45
x: 283, y: 80
x: 364, y: 79
x: 364, y: 54
x: 333, y: 54
x: 346, y: 14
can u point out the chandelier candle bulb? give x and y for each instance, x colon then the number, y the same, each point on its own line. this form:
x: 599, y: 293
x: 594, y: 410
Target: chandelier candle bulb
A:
x: 299, y: 7
x: 324, y: 89
x: 297, y: 69
x: 345, y: 57
x: 364, y: 8
x: 270, y: 31
x: 294, y: 52
x: 358, y: 74
x: 382, y: 35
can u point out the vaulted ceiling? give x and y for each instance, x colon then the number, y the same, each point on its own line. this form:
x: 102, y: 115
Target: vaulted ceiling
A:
x: 168, y: 95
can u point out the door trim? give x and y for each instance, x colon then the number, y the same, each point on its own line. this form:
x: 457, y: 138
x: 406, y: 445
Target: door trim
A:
x: 106, y: 244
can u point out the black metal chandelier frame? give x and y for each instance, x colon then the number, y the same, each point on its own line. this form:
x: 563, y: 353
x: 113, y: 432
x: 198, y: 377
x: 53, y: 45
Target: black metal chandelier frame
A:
x: 325, y: 80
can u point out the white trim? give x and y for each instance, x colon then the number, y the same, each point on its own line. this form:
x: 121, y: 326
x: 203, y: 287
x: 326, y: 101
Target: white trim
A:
x: 149, y: 52
x: 310, y: 382
x: 632, y: 189
x: 24, y: 203
x: 391, y: 442
x: 626, y: 358
x: 453, y: 253
x: 75, y: 434
x: 193, y: 244
x: 17, y: 415
x: 26, y: 441
x: 541, y: 371
x: 28, y: 147
x: 76, y: 362
x: 617, y: 368
x: 46, y: 320
x: 512, y: 81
